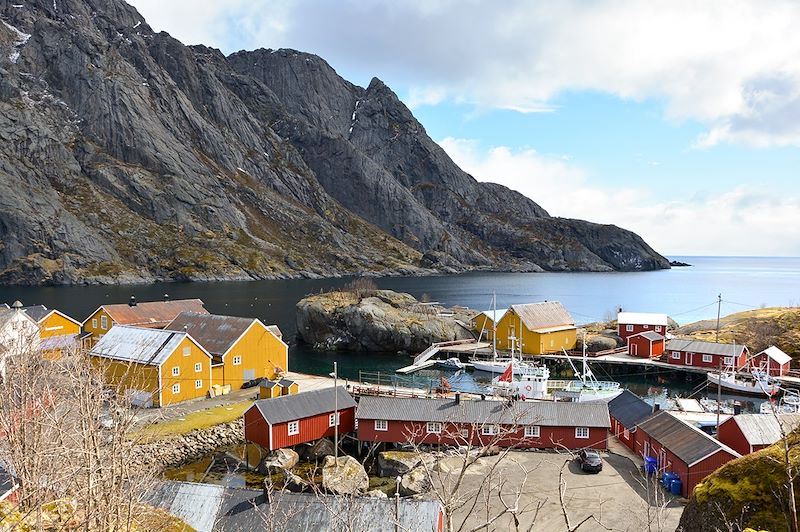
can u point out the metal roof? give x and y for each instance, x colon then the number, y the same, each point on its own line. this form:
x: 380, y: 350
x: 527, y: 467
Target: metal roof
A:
x: 629, y: 409
x: 303, y: 405
x: 37, y: 312
x: 138, y: 344
x: 7, y: 483
x: 215, y: 333
x: 684, y: 441
x: 152, y: 313
x: 491, y: 313
x: 763, y: 429
x: 545, y: 413
x: 63, y: 341
x: 650, y: 335
x: 276, y: 331
x: 6, y: 315
x: 642, y: 318
x: 776, y: 354
x: 708, y: 348
x: 542, y: 315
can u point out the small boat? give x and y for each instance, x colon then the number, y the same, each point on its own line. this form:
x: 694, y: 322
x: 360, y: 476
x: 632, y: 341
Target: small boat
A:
x: 762, y: 384
x: 789, y: 404
x: 452, y: 363
x: 586, y: 387
x: 500, y: 364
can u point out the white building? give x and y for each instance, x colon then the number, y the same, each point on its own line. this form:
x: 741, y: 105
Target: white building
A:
x: 19, y: 334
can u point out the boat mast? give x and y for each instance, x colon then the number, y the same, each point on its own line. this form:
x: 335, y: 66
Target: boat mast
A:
x: 494, y: 324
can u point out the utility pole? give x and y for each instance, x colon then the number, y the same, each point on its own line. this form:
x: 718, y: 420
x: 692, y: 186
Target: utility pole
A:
x: 719, y: 307
x: 335, y: 376
x: 719, y: 392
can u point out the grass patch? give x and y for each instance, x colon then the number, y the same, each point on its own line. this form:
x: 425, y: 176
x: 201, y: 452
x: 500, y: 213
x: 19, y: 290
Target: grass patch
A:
x: 202, y: 419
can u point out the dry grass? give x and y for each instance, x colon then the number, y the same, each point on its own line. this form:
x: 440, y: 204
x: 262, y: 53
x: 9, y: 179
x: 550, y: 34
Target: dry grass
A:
x: 195, y: 421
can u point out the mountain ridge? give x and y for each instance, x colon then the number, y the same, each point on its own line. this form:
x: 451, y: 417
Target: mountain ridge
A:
x: 130, y: 157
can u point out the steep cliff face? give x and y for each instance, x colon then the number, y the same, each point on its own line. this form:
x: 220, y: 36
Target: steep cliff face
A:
x: 127, y: 156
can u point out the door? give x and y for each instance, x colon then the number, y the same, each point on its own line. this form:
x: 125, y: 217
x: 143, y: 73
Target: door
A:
x: 688, y: 359
x: 634, y: 349
x: 249, y: 374
x: 646, y: 448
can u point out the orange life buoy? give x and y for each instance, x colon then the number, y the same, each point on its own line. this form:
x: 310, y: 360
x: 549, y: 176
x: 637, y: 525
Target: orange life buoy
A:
x: 528, y: 387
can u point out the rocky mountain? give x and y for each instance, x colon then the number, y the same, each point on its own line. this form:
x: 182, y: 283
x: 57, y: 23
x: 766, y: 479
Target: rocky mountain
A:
x: 126, y: 156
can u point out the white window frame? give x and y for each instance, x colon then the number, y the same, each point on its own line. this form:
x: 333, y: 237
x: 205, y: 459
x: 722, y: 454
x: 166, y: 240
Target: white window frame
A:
x: 433, y: 427
x: 708, y: 358
x: 237, y: 361
x: 646, y: 326
x: 104, y: 322
x: 658, y: 328
x: 629, y: 328
x: 381, y: 425
x: 728, y: 361
x: 94, y: 323
x: 676, y: 355
x: 626, y: 434
x: 176, y: 388
x: 293, y: 428
x: 198, y: 384
x: 338, y: 416
x: 176, y: 371
x: 532, y: 431
x: 187, y: 350
x: 582, y: 433
x: 198, y: 367
x: 489, y: 430
x: 464, y: 433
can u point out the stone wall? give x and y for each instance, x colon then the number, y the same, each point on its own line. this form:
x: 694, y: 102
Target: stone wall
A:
x: 180, y: 449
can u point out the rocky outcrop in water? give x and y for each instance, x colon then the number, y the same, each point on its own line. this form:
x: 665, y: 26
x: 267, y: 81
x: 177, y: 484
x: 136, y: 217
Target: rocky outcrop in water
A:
x: 379, y: 320
x: 126, y: 156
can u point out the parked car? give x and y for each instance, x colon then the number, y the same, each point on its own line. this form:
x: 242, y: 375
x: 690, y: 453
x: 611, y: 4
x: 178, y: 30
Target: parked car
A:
x: 590, y: 461
x: 253, y: 382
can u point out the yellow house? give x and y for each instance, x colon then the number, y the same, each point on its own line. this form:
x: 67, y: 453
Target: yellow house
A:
x: 151, y: 314
x: 57, y: 331
x: 483, y: 323
x: 243, y: 349
x: 537, y: 328
x: 153, y: 366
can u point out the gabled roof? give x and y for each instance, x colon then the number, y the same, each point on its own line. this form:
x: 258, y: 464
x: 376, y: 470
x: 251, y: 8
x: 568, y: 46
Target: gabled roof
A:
x: 688, y: 443
x: 763, y: 429
x: 303, y: 405
x: 642, y: 318
x: 7, y: 314
x: 274, y: 329
x: 217, y: 334
x: 708, y: 348
x: 491, y: 313
x: 776, y: 354
x: 150, y: 313
x: 139, y: 344
x: 62, y: 341
x: 545, y: 413
x: 37, y: 312
x: 543, y: 315
x: 650, y: 335
x: 629, y: 409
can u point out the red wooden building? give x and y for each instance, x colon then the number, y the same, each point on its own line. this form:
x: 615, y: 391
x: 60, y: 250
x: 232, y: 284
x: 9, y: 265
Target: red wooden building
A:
x: 521, y: 424
x: 688, y: 352
x: 626, y: 411
x: 771, y: 360
x: 630, y: 323
x: 748, y: 433
x: 301, y: 418
x: 648, y: 344
x: 9, y: 487
x: 682, y: 449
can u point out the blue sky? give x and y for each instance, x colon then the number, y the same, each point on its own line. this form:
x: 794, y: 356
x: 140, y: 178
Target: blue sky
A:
x: 676, y: 120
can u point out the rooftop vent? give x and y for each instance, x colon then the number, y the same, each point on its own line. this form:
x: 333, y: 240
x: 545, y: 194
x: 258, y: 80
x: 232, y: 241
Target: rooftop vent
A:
x: 132, y: 301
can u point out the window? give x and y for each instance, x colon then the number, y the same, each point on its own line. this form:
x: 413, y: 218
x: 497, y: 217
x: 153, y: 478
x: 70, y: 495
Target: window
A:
x: 676, y: 355
x: 198, y: 384
x: 104, y: 322
x: 337, y: 417
x: 381, y: 424
x: 434, y: 427
x: 532, y: 431
x: 626, y: 434
x: 176, y: 371
x: 187, y: 350
x: 464, y: 433
x: 582, y: 433
x: 94, y: 323
x: 646, y: 326
x: 176, y: 388
x: 729, y: 361
x: 198, y: 367
x: 708, y: 358
x: 658, y: 328
x: 489, y: 430
x: 293, y: 428
x: 629, y: 328
x: 237, y: 361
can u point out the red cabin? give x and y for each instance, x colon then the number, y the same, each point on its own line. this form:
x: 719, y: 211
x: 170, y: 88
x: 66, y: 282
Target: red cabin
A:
x: 521, y: 424
x: 626, y: 411
x: 630, y: 323
x: 682, y: 449
x: 748, y: 433
x: 301, y: 418
x: 648, y: 344
x: 711, y: 355
x: 772, y: 361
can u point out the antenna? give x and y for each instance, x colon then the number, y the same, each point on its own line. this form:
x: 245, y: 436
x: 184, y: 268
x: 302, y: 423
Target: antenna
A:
x: 719, y: 307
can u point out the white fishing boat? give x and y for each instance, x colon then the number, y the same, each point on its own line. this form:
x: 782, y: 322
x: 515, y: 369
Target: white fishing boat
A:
x: 586, y: 387
x: 761, y: 384
x: 531, y: 385
x: 452, y: 363
x: 499, y: 365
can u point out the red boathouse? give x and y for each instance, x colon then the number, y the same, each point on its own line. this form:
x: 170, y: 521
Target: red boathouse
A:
x: 711, y: 355
x: 648, y: 344
x: 748, y: 433
x: 630, y: 323
x: 772, y: 361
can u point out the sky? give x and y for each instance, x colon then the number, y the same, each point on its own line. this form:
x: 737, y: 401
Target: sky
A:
x: 679, y: 120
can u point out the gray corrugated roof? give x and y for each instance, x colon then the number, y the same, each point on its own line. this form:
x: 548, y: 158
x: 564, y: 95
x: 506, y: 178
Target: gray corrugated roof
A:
x: 6, y: 315
x: 37, y: 312
x: 138, y: 344
x: 708, y: 348
x: 761, y: 429
x: 545, y: 413
x: 686, y: 442
x: 629, y: 409
x: 215, y: 333
x: 303, y: 405
x: 276, y: 331
x: 543, y: 315
x: 650, y: 335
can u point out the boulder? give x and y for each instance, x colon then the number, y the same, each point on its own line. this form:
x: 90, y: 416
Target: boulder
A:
x: 345, y: 476
x: 277, y: 460
x: 600, y: 343
x: 318, y: 450
x: 415, y: 482
x: 376, y: 494
x: 395, y: 463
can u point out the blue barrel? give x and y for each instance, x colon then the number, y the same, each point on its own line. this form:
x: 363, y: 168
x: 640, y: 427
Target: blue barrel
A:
x: 676, y: 486
x: 650, y: 465
x: 667, y: 478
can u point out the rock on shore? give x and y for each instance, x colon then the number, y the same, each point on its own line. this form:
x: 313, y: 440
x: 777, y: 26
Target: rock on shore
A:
x: 378, y: 320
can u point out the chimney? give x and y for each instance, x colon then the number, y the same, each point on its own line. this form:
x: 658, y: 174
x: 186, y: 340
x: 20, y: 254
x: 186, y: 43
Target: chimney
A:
x: 656, y: 407
x: 132, y: 302
x: 458, y: 398
x: 16, y: 305
x: 483, y: 397
x: 166, y: 297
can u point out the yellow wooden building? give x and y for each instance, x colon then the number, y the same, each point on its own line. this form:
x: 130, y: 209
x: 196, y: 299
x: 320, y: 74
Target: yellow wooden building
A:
x: 153, y: 367
x: 537, y: 328
x: 483, y: 323
x: 243, y: 349
x: 58, y: 332
x: 151, y: 314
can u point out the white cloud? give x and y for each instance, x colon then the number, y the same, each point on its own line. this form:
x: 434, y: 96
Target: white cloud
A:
x: 740, y: 221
